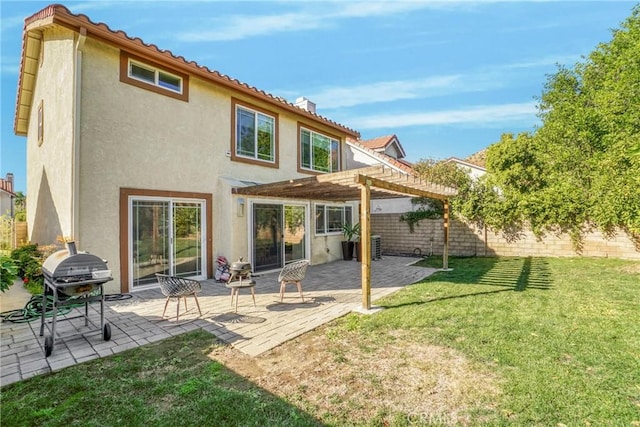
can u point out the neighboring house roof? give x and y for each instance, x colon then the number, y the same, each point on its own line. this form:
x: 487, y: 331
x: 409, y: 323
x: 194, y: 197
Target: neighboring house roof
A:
x: 465, y: 163
x: 385, y: 159
x: 6, y: 186
x: 479, y: 158
x: 381, y: 143
x: 60, y: 15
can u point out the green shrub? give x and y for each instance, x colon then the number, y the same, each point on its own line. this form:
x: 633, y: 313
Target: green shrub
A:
x: 29, y: 261
x: 8, y: 272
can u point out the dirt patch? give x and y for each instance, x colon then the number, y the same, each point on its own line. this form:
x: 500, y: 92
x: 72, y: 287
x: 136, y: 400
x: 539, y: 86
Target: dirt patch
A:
x: 631, y: 268
x: 357, y: 378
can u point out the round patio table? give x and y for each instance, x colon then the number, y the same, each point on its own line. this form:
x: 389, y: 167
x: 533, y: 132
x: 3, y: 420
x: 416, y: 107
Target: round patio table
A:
x: 235, y: 287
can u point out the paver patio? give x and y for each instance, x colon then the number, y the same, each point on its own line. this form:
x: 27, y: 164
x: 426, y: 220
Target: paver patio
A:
x: 331, y: 290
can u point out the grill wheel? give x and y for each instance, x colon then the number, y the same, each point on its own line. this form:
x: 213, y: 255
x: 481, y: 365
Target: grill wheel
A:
x: 48, y: 345
x: 106, y: 332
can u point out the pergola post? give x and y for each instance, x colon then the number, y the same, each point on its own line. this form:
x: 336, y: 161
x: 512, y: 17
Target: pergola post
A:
x: 365, y: 243
x: 445, y: 252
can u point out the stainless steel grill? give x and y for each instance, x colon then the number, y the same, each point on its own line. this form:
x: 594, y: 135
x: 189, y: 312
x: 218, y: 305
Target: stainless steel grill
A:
x: 69, y: 273
x: 240, y: 278
x: 240, y: 270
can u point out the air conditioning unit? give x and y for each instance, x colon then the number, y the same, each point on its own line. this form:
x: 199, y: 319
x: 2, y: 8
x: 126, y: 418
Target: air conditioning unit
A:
x: 376, y: 248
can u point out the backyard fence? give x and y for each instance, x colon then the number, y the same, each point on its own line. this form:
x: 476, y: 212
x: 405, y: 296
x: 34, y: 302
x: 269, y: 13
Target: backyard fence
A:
x: 13, y: 233
x: 428, y: 239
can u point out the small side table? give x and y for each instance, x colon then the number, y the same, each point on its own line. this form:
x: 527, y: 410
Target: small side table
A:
x: 235, y: 287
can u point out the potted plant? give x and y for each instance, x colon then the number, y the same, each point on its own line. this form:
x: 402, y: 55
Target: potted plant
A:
x: 350, y: 231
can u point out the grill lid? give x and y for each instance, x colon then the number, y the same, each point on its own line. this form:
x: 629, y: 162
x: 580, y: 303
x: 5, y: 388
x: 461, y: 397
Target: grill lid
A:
x: 240, y: 266
x: 63, y: 265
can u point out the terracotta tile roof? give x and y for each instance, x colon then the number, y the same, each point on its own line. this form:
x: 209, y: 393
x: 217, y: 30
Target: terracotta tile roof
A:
x: 60, y: 15
x: 378, y: 143
x: 6, y: 186
x: 400, y: 164
x: 381, y: 144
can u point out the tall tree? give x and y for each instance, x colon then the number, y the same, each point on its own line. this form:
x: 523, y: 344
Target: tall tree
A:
x: 578, y: 169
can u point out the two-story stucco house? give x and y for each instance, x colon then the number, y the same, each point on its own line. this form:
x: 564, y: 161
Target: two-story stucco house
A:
x: 133, y: 152
x: 137, y: 154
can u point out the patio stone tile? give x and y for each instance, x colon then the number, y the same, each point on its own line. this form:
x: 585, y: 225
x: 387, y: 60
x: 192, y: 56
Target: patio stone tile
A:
x: 331, y: 291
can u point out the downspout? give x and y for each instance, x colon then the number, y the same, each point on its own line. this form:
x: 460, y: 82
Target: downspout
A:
x: 75, y: 150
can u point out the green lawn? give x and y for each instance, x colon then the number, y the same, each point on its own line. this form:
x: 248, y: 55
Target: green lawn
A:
x: 563, y: 333
x: 562, y: 337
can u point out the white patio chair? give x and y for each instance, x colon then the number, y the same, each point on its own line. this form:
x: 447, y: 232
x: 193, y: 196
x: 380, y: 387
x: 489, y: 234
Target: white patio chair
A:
x: 178, y: 287
x: 293, y: 273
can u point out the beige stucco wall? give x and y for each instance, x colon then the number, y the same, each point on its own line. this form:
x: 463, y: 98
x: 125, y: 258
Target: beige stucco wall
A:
x: 49, y: 171
x: 134, y: 138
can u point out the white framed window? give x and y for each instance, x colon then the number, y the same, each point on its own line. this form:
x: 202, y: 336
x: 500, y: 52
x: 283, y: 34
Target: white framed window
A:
x: 255, y: 135
x: 154, y: 76
x: 331, y: 218
x: 318, y: 152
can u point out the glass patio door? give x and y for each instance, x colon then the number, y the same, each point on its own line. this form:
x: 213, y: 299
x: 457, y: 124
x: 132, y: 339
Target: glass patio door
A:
x: 294, y: 233
x: 267, y: 236
x: 279, y: 235
x: 165, y: 237
x: 187, y: 239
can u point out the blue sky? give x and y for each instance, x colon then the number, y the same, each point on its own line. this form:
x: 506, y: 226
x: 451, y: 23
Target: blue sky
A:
x: 447, y: 77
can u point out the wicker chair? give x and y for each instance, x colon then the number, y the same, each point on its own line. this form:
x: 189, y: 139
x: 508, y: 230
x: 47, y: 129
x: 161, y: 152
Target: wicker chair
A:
x: 178, y: 287
x: 293, y: 273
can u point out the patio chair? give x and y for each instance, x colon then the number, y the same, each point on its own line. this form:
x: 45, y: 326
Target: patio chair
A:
x: 178, y: 287
x: 293, y: 273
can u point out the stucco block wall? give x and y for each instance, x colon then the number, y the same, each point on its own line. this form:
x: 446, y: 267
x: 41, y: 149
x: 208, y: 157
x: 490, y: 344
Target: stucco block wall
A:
x: 428, y: 238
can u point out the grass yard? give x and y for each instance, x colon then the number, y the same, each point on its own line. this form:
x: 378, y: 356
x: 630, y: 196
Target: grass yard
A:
x: 496, y: 341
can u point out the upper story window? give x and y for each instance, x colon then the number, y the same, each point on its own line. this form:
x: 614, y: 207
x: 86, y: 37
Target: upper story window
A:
x: 330, y: 218
x: 153, y: 77
x: 318, y: 152
x: 254, y: 135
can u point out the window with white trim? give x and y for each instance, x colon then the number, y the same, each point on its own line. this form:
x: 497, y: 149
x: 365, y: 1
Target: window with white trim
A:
x: 255, y: 135
x: 331, y: 218
x: 318, y: 152
x: 154, y: 76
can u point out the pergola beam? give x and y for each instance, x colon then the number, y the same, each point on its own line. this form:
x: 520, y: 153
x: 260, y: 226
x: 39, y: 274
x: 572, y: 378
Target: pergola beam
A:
x: 398, y: 188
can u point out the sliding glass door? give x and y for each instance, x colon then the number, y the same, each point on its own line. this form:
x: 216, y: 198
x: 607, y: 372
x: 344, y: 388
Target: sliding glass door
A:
x: 279, y: 235
x: 294, y: 233
x: 166, y: 236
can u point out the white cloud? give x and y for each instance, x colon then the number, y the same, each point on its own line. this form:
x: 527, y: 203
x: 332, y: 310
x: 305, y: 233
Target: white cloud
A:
x: 236, y: 27
x: 545, y: 61
x: 394, y: 90
x: 478, y: 115
x: 385, y: 91
x: 480, y: 80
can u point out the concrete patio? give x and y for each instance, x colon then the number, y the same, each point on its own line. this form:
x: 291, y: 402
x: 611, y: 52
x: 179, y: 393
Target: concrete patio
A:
x: 330, y: 290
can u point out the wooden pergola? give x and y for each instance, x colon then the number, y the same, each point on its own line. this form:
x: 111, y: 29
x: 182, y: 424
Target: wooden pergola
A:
x: 365, y: 184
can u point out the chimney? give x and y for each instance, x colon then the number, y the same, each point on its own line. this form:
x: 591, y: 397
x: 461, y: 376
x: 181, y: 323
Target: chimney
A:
x: 305, y: 104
